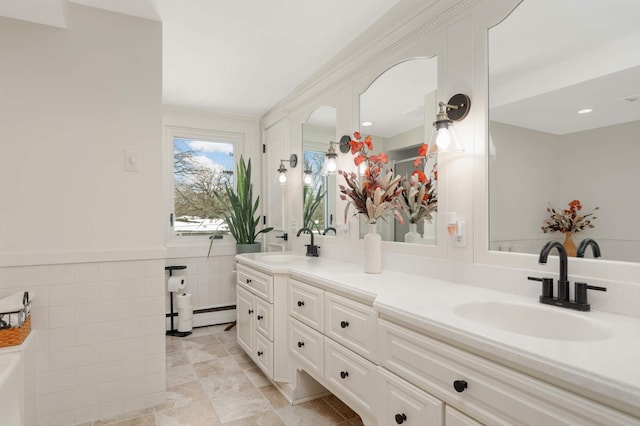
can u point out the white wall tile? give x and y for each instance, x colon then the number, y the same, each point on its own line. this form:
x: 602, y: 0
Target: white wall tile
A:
x: 134, y: 367
x: 154, y: 399
x: 86, y: 292
x: 109, y: 271
x: 62, y: 402
x: 61, y: 338
x: 133, y: 348
x: 62, y: 316
x: 64, y: 419
x: 87, y: 355
x: 87, y: 334
x: 88, y: 396
x: 155, y: 363
x: 88, y: 375
x: 63, y: 359
x: 111, y: 409
x: 61, y: 295
x: 110, y: 351
x: 109, y: 291
x: 111, y: 330
x: 87, y: 415
x: 111, y: 371
x: 110, y: 311
x: 134, y: 404
x: 61, y: 380
x: 111, y: 391
x: 87, y: 313
x: 154, y: 344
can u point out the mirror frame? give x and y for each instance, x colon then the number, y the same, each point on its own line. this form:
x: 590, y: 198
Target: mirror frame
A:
x: 608, y: 270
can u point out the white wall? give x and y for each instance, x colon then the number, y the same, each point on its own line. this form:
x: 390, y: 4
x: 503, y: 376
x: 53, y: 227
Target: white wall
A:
x: 75, y: 228
x: 72, y: 101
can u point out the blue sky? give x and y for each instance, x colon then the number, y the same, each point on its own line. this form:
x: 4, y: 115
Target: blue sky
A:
x: 210, y: 154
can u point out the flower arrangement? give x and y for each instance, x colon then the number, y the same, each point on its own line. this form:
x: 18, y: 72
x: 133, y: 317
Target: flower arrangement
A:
x: 568, y: 220
x: 376, y: 195
x: 419, y: 197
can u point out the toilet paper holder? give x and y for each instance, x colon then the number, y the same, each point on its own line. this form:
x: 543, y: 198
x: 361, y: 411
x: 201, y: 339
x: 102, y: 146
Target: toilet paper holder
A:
x: 173, y: 331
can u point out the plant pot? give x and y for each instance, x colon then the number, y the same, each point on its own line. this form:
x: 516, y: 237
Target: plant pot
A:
x: 248, y: 248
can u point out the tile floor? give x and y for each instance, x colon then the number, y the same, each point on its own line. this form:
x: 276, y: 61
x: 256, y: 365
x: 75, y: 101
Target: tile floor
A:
x: 211, y: 382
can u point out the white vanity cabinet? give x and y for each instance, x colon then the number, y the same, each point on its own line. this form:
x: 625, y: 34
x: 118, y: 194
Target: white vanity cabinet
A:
x: 260, y: 332
x: 482, y: 389
x: 332, y: 337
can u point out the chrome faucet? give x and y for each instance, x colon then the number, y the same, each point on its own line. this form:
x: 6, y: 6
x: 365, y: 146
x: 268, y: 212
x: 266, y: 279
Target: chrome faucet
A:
x: 595, y: 248
x: 312, y: 249
x: 580, y: 290
x: 563, y: 281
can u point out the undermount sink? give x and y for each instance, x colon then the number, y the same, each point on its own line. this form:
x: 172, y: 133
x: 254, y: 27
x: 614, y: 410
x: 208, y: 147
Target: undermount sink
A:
x: 282, y: 258
x: 535, y: 321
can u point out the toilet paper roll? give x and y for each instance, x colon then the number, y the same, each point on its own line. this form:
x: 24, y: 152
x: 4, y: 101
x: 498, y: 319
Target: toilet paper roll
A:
x: 176, y: 283
x: 185, y: 325
x: 185, y: 313
x: 183, y: 300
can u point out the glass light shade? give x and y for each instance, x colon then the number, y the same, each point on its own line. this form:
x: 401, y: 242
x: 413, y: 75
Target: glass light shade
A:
x: 444, y: 138
x: 308, y: 178
x: 282, y: 178
x: 332, y: 165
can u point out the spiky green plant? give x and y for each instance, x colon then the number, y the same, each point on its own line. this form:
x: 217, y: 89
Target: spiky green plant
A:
x: 239, y: 206
x: 312, y: 200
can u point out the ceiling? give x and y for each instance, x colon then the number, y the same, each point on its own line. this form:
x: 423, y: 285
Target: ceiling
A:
x: 586, y: 57
x: 239, y: 56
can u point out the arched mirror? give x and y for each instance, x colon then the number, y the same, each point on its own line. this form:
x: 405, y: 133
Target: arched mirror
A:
x: 394, y: 110
x: 318, y: 201
x: 564, y: 126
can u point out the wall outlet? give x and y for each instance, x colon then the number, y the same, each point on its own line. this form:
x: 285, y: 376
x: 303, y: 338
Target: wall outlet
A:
x: 460, y: 237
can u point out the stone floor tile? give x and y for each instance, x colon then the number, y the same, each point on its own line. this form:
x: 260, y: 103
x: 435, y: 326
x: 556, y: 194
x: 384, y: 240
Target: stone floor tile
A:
x: 312, y: 413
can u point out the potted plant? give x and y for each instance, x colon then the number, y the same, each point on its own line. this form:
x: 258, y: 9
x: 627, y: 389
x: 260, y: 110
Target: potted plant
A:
x: 240, y: 209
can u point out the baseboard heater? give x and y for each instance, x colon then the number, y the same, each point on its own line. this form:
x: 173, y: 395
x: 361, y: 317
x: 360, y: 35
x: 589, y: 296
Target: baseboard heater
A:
x: 214, y: 315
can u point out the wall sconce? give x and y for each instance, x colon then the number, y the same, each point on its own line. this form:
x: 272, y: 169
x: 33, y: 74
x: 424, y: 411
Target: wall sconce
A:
x: 307, y: 178
x: 444, y: 138
x: 330, y: 165
x: 282, y: 170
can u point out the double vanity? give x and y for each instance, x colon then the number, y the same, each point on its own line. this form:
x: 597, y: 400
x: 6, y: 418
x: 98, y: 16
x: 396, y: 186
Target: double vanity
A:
x: 407, y: 349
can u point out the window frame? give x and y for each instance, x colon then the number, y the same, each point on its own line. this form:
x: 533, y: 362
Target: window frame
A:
x: 172, y: 132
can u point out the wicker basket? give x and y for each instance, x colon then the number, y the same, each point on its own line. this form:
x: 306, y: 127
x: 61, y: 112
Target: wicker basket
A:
x: 15, y: 326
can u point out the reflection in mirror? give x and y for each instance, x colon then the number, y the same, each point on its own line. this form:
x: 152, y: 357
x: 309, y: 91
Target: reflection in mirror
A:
x: 564, y: 111
x: 319, y: 195
x: 394, y: 110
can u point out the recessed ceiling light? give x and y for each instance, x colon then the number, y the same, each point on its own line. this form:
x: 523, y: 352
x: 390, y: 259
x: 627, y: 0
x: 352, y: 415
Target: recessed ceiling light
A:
x: 585, y: 111
x: 366, y: 123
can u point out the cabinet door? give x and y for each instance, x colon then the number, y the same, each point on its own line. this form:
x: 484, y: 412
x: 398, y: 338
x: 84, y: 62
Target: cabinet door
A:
x: 306, y: 304
x: 453, y: 417
x: 263, y: 355
x: 404, y: 404
x: 245, y: 321
x: 351, y: 324
x: 264, y: 318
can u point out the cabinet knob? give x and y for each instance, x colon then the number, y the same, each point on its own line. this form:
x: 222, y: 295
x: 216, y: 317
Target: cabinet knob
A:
x: 300, y: 303
x: 344, y: 324
x: 460, y: 385
x: 300, y: 344
x: 259, y: 353
x: 344, y: 374
x: 260, y: 317
x: 248, y: 280
x: 250, y: 311
x: 400, y: 418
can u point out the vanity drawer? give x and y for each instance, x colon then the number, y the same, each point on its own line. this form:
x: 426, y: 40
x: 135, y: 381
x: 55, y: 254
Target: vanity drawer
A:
x: 263, y: 354
x: 352, y: 324
x: 259, y: 283
x: 405, y: 404
x: 264, y: 318
x: 494, y: 394
x: 351, y: 377
x: 307, y: 345
x: 306, y: 304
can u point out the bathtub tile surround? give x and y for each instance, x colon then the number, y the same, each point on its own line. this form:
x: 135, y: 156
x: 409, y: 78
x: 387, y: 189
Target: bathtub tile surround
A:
x: 100, y: 348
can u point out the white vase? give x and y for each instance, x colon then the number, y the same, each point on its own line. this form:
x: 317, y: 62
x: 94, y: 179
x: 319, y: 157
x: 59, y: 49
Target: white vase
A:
x: 372, y: 251
x: 413, y: 236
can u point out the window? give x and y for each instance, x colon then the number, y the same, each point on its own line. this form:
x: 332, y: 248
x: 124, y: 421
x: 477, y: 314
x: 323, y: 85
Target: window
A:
x: 315, y: 207
x: 201, y: 168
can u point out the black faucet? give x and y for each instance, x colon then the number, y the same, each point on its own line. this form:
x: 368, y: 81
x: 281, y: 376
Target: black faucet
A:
x: 595, y: 248
x: 580, y: 298
x: 563, y: 281
x: 331, y: 228
x: 312, y: 249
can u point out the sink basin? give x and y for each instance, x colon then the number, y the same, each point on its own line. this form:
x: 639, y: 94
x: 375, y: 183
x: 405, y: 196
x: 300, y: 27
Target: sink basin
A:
x: 535, y: 321
x: 282, y: 258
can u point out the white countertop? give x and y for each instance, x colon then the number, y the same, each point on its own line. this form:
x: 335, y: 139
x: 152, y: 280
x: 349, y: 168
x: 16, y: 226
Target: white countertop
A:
x: 607, y: 369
